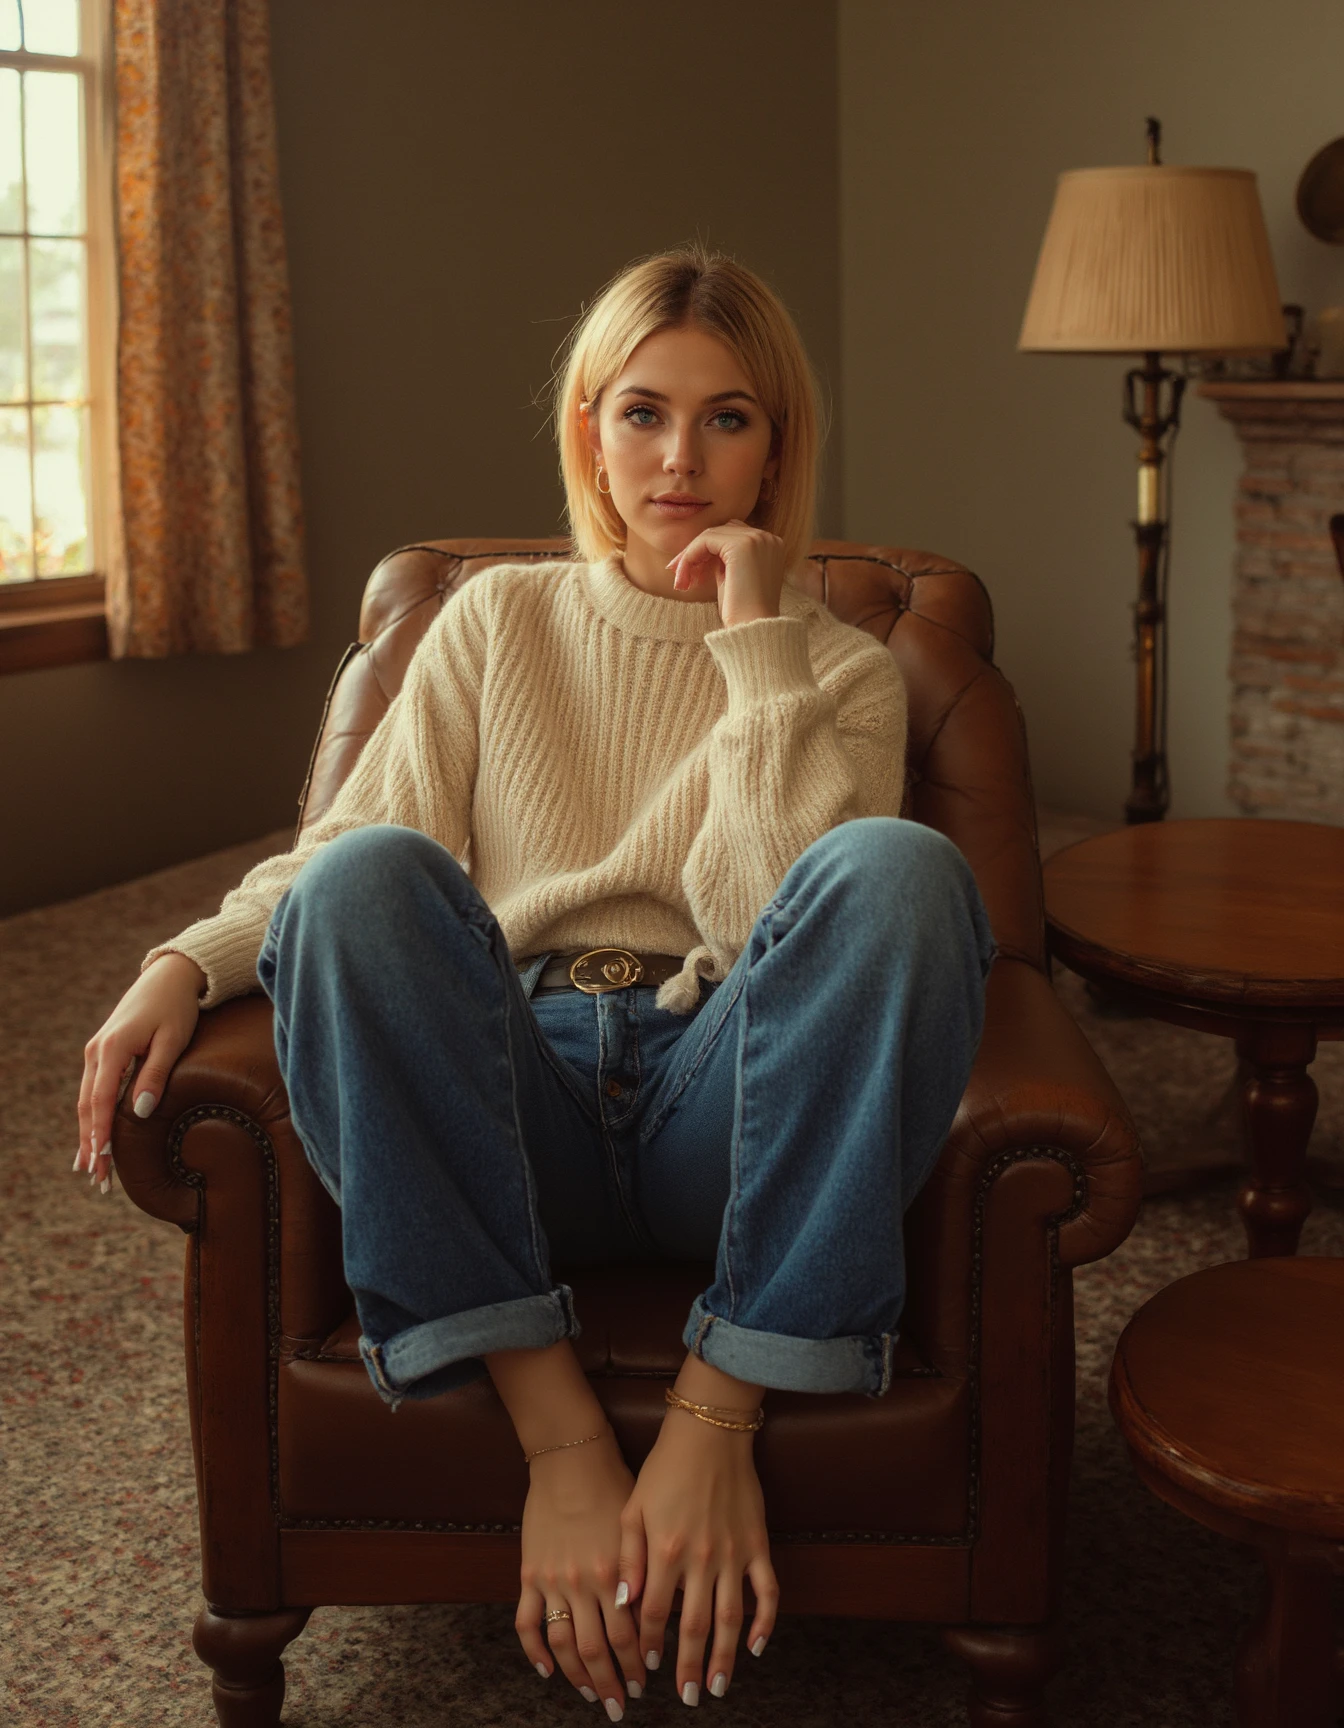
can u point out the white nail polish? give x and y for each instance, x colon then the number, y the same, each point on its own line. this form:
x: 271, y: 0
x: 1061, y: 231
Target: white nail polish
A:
x: 144, y: 1104
x: 652, y: 1659
x: 690, y: 1693
x: 542, y: 1669
x: 93, y: 1177
x: 105, y: 1186
x: 758, y: 1646
x: 78, y: 1156
x: 588, y: 1693
x: 622, y: 1594
x: 634, y: 1688
x: 614, y: 1711
x: 719, y: 1685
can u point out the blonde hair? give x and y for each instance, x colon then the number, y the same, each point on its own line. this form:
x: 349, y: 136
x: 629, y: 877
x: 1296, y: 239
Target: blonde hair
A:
x: 713, y: 292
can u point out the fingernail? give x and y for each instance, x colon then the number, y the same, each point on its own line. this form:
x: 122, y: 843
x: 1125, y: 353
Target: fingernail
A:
x: 719, y: 1685
x: 634, y: 1688
x: 542, y: 1669
x: 78, y: 1156
x: 614, y: 1711
x: 758, y: 1646
x: 652, y: 1659
x: 93, y: 1177
x: 622, y: 1594
x: 144, y: 1104
x: 105, y: 1185
x: 588, y: 1693
x: 690, y: 1693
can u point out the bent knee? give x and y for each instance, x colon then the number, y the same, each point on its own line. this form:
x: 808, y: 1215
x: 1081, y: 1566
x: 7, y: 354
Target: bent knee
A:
x: 887, y: 845
x: 377, y: 854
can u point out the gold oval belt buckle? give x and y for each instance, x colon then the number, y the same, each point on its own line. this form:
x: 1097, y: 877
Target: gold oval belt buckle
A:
x: 612, y: 974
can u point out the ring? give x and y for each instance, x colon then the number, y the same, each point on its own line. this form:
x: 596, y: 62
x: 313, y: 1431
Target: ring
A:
x: 558, y: 1614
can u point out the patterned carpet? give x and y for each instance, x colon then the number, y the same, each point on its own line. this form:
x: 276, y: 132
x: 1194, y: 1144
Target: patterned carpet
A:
x: 98, y: 1547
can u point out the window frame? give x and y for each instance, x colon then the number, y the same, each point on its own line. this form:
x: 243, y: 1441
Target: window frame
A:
x: 62, y: 620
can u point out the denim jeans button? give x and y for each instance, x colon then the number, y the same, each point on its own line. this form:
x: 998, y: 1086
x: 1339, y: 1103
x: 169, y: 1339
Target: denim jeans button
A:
x: 613, y: 1088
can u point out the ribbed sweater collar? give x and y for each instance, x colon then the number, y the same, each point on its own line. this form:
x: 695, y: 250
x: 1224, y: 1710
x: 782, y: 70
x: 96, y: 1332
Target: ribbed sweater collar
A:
x: 614, y: 596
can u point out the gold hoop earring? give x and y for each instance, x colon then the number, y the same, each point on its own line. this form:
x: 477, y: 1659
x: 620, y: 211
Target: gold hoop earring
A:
x: 770, y: 496
x: 604, y: 490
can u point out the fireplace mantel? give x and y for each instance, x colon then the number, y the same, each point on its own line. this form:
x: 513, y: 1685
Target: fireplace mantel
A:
x: 1288, y: 646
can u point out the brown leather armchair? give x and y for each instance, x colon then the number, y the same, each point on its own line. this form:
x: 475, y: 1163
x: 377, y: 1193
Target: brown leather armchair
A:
x: 942, y: 1502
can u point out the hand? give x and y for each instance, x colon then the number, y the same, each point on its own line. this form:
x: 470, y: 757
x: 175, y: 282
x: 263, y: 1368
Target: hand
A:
x: 697, y: 1519
x: 571, y: 1545
x: 155, y: 1019
x: 746, y: 563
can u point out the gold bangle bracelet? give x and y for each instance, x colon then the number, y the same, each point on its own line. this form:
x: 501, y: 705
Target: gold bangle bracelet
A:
x: 741, y: 1422
x: 560, y: 1445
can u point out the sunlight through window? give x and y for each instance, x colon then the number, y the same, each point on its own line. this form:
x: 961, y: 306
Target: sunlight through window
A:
x: 44, y: 302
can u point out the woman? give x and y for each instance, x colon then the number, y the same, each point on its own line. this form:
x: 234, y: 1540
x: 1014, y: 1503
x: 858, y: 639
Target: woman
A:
x: 704, y: 994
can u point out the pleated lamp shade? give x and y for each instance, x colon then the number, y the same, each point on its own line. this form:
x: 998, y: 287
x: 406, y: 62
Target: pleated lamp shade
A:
x: 1155, y: 260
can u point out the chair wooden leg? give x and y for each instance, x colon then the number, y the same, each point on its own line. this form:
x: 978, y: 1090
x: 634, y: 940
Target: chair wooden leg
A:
x: 244, y: 1652
x: 1010, y: 1668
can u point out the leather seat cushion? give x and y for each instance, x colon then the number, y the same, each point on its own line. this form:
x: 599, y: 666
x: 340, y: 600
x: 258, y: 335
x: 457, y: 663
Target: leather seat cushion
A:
x: 833, y: 1464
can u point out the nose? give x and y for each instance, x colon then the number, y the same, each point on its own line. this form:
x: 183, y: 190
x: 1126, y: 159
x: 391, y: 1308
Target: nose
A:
x: 682, y: 455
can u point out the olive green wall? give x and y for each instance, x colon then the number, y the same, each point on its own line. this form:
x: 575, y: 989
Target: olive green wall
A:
x: 458, y: 179
x: 956, y: 119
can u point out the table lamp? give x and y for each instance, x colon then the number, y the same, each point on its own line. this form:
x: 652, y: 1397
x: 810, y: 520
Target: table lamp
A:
x: 1153, y: 260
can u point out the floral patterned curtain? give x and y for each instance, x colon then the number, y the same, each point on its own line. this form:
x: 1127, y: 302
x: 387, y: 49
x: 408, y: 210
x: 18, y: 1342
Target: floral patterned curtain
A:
x: 210, y: 548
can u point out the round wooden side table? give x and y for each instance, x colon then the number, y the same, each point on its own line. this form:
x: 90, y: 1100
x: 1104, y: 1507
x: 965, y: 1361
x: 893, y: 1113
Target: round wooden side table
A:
x: 1228, y: 926
x: 1228, y: 1387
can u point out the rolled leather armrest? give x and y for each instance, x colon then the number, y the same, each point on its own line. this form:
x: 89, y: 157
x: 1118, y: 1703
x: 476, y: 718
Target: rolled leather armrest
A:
x: 223, y: 1124
x: 1041, y: 1110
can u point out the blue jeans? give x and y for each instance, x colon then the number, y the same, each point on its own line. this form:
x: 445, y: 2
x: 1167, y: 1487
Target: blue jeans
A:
x: 468, y: 1132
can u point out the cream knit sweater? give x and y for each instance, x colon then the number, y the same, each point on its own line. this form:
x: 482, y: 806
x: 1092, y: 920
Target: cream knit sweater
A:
x: 610, y: 767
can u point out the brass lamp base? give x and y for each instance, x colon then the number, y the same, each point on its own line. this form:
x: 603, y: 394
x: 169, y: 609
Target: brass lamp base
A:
x: 1149, y: 797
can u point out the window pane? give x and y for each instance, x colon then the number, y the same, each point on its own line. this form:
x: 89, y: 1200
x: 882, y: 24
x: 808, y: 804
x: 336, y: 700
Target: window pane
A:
x: 59, y: 470
x: 9, y: 24
x: 56, y: 283
x: 51, y: 26
x: 11, y: 163
x: 13, y: 367
x: 16, y: 516
x: 51, y: 120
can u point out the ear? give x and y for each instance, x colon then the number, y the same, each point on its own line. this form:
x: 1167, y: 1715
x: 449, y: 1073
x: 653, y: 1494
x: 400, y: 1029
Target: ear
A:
x: 594, y: 434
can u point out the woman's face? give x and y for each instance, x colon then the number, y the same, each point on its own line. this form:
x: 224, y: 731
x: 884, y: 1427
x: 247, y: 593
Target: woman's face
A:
x: 680, y: 421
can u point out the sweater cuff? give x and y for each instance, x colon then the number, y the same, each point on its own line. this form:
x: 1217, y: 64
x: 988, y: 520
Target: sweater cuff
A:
x: 762, y: 658
x: 229, y: 970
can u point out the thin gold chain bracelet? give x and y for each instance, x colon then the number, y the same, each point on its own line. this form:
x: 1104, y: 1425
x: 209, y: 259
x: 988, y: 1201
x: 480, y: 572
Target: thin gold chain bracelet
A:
x: 560, y: 1445
x: 744, y: 1423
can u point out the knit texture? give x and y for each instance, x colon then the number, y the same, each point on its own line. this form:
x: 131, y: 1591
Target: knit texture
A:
x: 610, y: 767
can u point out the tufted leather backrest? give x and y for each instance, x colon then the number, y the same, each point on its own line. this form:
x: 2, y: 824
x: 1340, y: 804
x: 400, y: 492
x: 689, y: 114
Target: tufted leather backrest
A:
x: 967, y: 772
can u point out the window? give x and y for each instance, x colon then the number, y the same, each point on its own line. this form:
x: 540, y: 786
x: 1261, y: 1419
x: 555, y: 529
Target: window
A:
x: 54, y: 289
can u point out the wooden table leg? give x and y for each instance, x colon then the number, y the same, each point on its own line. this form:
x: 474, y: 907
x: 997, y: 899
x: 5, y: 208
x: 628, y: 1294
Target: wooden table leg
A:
x: 1280, y: 1103
x: 1286, y: 1664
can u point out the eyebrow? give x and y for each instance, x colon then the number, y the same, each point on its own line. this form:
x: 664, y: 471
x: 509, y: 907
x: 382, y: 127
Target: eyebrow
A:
x: 657, y: 395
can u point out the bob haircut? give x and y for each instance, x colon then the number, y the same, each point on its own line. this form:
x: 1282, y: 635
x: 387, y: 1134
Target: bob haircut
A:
x: 713, y: 292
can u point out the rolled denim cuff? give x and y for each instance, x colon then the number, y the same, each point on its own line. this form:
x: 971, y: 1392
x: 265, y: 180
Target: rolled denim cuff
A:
x: 438, y: 1355
x: 773, y: 1359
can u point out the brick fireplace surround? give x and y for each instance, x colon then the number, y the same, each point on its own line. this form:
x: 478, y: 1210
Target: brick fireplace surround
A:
x: 1288, y: 647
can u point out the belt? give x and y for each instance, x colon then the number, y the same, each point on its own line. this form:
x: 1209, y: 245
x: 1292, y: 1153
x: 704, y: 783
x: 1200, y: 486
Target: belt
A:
x: 597, y: 970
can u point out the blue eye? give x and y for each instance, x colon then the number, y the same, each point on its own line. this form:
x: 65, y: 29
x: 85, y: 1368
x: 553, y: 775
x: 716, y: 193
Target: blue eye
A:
x: 733, y: 415
x: 640, y: 408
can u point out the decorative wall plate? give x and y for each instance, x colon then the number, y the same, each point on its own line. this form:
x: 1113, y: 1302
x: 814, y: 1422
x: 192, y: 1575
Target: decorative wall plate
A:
x: 1320, y: 194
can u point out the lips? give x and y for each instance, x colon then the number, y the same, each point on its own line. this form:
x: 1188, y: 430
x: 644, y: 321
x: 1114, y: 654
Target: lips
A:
x: 680, y: 503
